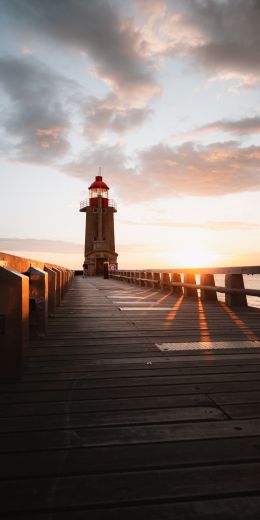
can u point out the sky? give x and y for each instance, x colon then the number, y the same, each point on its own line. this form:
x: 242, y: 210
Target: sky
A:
x: 164, y: 96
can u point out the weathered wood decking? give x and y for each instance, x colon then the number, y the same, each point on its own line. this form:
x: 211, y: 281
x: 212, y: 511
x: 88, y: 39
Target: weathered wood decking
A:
x: 106, y: 426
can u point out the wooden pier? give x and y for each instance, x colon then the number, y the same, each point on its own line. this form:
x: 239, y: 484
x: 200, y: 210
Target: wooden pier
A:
x: 137, y: 404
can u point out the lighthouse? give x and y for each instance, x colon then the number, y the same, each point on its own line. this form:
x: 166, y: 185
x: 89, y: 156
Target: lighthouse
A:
x: 99, y: 234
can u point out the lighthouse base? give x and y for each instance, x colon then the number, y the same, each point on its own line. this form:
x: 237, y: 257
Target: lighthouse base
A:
x: 94, y: 263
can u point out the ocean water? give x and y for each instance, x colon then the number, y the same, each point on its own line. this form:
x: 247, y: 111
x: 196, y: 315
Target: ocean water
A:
x: 250, y: 281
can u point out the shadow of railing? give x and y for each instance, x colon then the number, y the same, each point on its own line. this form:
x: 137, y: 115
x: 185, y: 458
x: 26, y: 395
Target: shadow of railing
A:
x: 210, y: 319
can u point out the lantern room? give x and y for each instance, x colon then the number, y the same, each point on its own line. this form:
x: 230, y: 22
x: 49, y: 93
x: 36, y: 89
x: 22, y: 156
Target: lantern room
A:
x: 97, y: 189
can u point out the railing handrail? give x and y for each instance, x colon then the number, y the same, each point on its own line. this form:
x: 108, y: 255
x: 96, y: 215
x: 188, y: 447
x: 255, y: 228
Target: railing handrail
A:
x: 216, y: 288
x: 251, y: 269
x: 234, y: 288
x: 86, y: 202
x: 21, y: 263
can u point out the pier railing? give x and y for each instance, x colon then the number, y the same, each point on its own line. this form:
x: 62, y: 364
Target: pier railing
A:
x: 183, y: 282
x: 30, y: 291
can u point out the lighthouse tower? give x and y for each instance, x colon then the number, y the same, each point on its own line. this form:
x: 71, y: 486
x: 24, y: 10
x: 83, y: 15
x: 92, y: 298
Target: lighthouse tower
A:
x: 99, y: 236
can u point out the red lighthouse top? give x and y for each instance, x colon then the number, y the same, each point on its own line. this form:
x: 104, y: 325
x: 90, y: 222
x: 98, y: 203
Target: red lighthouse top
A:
x: 98, y: 195
x: 97, y: 189
x: 98, y: 183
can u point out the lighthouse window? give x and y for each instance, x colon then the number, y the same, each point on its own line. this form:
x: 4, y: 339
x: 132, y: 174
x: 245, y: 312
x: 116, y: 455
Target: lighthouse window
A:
x: 95, y: 210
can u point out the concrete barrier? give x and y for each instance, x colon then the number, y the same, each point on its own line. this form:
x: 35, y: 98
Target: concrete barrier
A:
x: 29, y: 292
x: 14, y: 322
x: 208, y: 279
x: 136, y: 278
x: 38, y: 296
x: 235, y: 281
x: 177, y: 290
x: 149, y: 279
x: 156, y: 280
x: 141, y: 281
x: 166, y: 282
x: 58, y: 286
x: 190, y: 291
x: 52, y: 289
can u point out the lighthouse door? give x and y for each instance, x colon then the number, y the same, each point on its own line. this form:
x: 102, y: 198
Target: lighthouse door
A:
x: 100, y: 266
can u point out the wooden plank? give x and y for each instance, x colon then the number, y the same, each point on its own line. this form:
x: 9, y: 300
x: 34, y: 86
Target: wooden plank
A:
x: 236, y: 397
x: 115, y: 418
x: 115, y: 393
x: 135, y: 457
x: 149, y: 380
x: 61, y: 407
x: 127, y: 435
x: 231, y: 508
x: 139, y: 372
x: 127, y: 488
x: 242, y: 411
x: 153, y: 382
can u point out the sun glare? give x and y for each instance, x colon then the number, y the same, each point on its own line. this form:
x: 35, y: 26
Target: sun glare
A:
x: 194, y: 254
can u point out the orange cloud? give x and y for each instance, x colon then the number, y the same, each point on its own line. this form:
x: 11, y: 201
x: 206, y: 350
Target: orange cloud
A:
x: 163, y: 171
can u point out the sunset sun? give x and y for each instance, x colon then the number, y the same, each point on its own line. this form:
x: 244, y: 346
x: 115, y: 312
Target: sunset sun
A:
x: 195, y: 255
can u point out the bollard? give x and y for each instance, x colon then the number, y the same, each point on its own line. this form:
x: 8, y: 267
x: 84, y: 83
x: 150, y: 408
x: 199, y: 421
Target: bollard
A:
x: 142, y: 282
x: 235, y: 281
x: 52, y: 283
x: 156, y: 280
x: 64, y: 284
x: 176, y: 278
x: 61, y: 284
x: 136, y: 277
x: 14, y: 322
x: 58, y: 286
x: 166, y: 282
x: 149, y: 279
x: 105, y: 270
x: 207, y: 279
x: 38, y: 299
x: 190, y: 291
x: 66, y: 281
x: 70, y: 278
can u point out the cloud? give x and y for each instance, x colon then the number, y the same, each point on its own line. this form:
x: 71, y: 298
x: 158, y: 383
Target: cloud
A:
x: 231, y: 33
x: 118, y: 51
x: 216, y: 169
x: 112, y: 160
x: 37, y: 245
x: 166, y: 28
x: 38, y: 115
x: 222, y: 36
x: 210, y: 225
x: 163, y: 171
x: 232, y: 226
x: 111, y: 40
x: 111, y: 114
x: 241, y: 127
x: 35, y: 116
